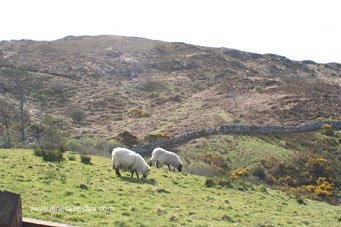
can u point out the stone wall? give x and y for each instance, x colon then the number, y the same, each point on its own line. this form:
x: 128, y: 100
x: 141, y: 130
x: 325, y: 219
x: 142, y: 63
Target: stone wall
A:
x: 147, y: 148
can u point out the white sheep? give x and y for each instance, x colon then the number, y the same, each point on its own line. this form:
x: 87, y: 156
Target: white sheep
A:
x: 128, y: 159
x: 163, y: 157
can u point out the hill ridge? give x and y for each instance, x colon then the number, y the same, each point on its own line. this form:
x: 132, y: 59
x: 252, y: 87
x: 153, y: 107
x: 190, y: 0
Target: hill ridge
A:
x: 180, y: 87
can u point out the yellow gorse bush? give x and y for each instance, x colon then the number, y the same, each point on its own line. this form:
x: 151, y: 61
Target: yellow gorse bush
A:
x: 236, y: 174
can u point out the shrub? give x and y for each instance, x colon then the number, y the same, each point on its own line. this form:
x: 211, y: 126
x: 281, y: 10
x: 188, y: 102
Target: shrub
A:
x: 221, y: 181
x: 203, y: 169
x: 106, y: 146
x: 137, y: 113
x: 49, y: 155
x: 148, y: 84
x: 238, y: 173
x: 56, y: 89
x: 327, y: 130
x: 226, y: 218
x: 300, y: 200
x: 209, y: 182
x: 73, y: 145
x: 52, y: 155
x: 318, y: 167
x: 83, y: 187
x: 91, y: 145
x: 38, y: 152
x: 77, y: 115
x: 173, y: 218
x: 324, y: 188
x: 85, y: 159
x: 71, y: 157
x: 48, y: 134
x: 153, y: 137
x: 161, y: 211
x: 259, y: 172
x: 61, y: 149
x: 262, y: 188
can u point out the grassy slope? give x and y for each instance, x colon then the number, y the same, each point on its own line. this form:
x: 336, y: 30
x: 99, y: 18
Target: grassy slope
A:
x: 238, y: 150
x: 144, y: 203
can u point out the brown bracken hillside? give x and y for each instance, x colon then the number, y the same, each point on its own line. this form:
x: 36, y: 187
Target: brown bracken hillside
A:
x: 146, y: 86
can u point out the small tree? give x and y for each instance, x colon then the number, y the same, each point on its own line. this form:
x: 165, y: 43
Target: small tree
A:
x: 5, y: 119
x: 17, y: 81
x: 48, y: 133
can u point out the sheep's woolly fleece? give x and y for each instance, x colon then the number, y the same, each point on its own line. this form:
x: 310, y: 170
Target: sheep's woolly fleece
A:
x: 165, y: 157
x: 125, y: 158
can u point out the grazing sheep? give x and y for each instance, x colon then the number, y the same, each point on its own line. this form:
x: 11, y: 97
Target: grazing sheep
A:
x: 163, y: 157
x: 127, y: 159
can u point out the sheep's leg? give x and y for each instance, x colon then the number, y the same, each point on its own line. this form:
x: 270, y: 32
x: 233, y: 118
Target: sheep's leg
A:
x: 157, y: 164
x: 132, y: 174
x: 137, y: 174
x: 118, y: 171
x: 168, y: 166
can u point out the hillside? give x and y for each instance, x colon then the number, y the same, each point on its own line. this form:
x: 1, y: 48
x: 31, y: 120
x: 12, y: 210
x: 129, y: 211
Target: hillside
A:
x: 146, y: 86
x: 90, y: 94
x: 164, y: 199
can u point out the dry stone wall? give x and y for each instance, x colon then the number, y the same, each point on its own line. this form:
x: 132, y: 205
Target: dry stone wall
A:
x: 147, y: 148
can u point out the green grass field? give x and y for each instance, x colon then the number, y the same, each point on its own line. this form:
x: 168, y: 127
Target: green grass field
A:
x: 164, y: 199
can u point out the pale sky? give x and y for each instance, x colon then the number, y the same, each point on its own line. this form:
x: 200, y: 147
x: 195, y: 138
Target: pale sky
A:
x: 297, y: 29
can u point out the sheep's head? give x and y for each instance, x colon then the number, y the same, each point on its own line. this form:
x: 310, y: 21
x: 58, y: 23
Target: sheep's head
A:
x: 179, y: 167
x: 146, y: 173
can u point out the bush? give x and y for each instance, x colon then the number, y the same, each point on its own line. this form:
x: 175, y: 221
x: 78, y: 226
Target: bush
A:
x: 148, y: 84
x: 203, y: 169
x: 238, y: 173
x: 259, y: 172
x: 77, y: 115
x: 138, y: 113
x: 38, y: 152
x: 48, y: 134
x: 57, y: 89
x: 85, y: 159
x: 327, y: 130
x: 158, y: 136
x: 49, y: 155
x: 71, y: 157
x: 262, y: 188
x: 209, y: 182
x: 53, y: 156
x: 73, y: 145
x: 324, y: 188
x: 318, y: 167
x: 61, y: 149
x: 91, y: 145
